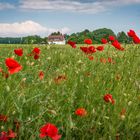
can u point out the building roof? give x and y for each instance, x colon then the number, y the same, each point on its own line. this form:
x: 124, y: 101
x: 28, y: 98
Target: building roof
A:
x: 52, y: 38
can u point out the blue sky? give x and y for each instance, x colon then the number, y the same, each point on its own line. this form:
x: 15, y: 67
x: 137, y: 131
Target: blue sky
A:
x: 41, y: 17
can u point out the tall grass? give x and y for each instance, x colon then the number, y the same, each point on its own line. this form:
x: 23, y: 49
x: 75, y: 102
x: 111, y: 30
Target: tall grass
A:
x: 33, y: 102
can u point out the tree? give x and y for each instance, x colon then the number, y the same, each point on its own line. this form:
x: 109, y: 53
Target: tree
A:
x: 122, y: 37
x: 96, y: 35
x: 32, y: 39
x: 56, y: 33
x: 102, y: 33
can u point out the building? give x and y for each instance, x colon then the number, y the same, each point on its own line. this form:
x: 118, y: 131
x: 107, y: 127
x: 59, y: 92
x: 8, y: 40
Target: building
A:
x: 56, y: 39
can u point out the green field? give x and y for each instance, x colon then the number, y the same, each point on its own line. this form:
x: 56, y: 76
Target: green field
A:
x: 32, y: 102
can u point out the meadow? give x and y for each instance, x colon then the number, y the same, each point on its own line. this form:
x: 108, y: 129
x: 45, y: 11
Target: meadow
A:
x: 69, y: 80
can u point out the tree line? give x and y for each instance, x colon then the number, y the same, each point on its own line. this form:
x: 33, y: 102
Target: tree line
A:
x: 78, y: 37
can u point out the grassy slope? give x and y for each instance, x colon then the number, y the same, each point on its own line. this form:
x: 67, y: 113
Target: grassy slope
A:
x: 33, y: 102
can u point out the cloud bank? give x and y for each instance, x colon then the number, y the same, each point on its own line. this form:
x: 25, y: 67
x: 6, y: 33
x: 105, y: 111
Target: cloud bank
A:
x: 4, y: 6
x: 88, y: 6
x: 84, y: 6
x: 27, y: 28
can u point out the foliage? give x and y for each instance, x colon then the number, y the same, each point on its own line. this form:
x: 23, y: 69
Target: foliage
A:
x: 123, y: 38
x: 96, y: 35
x: 35, y: 39
x: 56, y: 33
x: 78, y: 37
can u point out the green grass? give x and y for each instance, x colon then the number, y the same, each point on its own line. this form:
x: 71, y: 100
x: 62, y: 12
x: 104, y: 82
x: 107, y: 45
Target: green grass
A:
x: 33, y: 102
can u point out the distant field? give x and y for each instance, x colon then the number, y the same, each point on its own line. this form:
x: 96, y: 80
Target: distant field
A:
x: 71, y: 80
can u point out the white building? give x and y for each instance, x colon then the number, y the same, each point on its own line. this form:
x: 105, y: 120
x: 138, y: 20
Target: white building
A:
x: 56, y: 39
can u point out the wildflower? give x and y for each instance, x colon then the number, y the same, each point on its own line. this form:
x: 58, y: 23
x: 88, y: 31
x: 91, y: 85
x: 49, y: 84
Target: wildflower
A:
x: 7, y: 135
x: 136, y: 40
x: 36, y: 56
x: 88, y: 50
x: 73, y: 44
x: 100, y: 48
x: 13, y: 65
x: 3, y: 118
x: 11, y: 134
x: 117, y: 45
x: 49, y: 130
x: 104, y: 41
x: 81, y: 112
x: 41, y: 75
x: 3, y: 136
x: 90, y: 57
x: 110, y: 60
x: 109, y: 98
x: 1, y: 70
x: 88, y: 41
x: 131, y: 33
x: 85, y: 49
x: 36, y: 51
x: 134, y: 36
x: 18, y: 52
x: 91, y: 49
x: 111, y: 38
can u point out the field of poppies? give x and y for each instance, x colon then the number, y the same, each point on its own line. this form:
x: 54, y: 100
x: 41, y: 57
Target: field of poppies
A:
x: 70, y: 92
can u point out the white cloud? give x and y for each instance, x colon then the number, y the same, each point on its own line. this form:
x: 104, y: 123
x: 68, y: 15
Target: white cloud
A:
x: 86, y: 6
x: 27, y: 28
x: 90, y: 6
x: 62, y: 5
x: 4, y: 6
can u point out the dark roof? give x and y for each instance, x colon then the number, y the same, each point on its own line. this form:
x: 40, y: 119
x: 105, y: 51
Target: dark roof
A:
x: 56, y: 38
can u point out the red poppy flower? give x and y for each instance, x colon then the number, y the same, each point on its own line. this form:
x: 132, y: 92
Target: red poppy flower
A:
x: 117, y: 45
x: 36, y: 57
x: 3, y: 136
x: 109, y: 98
x: 88, y: 41
x: 111, y: 38
x: 110, y: 60
x: 104, y: 41
x: 3, y: 118
x: 13, y: 65
x: 73, y: 44
x: 41, y: 75
x: 18, y: 52
x: 91, y: 49
x: 81, y: 112
x: 131, y: 33
x: 36, y: 51
x: 1, y: 69
x: 7, y: 136
x: 100, y: 48
x: 11, y: 134
x: 136, y: 39
x: 88, y: 50
x: 49, y: 130
x: 90, y: 57
x: 84, y: 49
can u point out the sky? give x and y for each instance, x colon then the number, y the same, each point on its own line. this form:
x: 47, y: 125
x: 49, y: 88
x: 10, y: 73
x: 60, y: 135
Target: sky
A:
x: 42, y: 17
